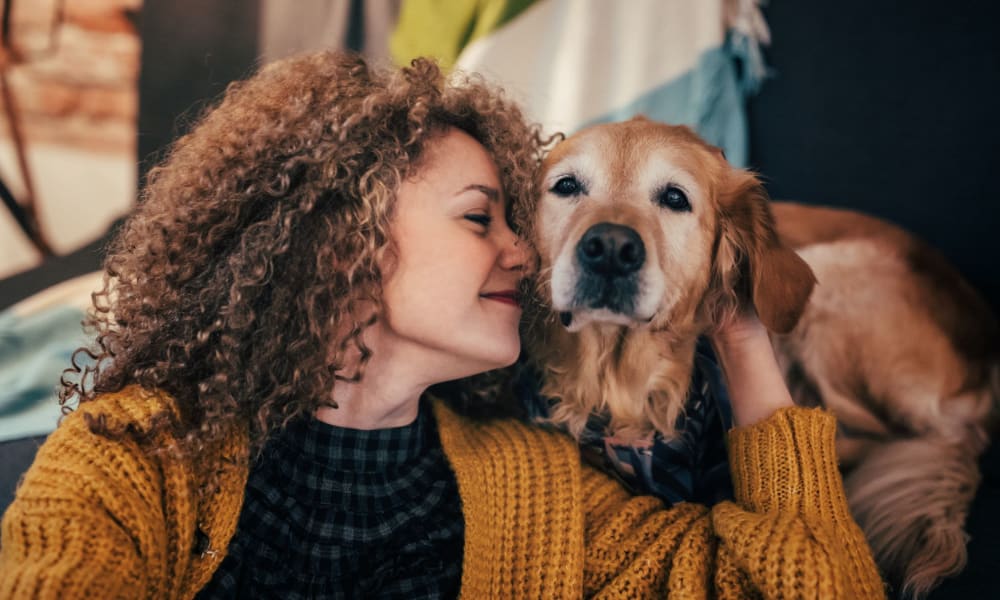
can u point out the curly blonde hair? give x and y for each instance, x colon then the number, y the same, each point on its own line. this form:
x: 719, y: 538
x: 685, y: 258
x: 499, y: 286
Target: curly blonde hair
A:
x: 235, y: 283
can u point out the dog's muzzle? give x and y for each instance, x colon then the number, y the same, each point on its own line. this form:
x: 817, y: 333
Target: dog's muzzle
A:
x: 610, y: 257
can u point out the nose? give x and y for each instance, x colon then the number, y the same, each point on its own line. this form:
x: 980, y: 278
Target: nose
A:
x: 516, y: 253
x: 611, y: 249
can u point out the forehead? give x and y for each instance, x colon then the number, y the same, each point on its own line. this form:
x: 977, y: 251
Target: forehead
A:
x: 457, y: 153
x: 619, y: 152
x: 451, y: 165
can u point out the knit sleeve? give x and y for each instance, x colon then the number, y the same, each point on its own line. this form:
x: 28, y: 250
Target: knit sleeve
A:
x: 80, y: 524
x: 788, y: 534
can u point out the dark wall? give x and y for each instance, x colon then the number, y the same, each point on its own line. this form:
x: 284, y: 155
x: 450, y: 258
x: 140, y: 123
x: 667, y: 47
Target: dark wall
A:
x: 891, y: 108
x: 191, y: 50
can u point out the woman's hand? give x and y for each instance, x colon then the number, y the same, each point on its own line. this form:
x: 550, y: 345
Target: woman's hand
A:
x: 756, y: 387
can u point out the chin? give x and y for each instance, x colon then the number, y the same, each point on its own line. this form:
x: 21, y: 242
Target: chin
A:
x: 503, y: 354
x: 472, y: 359
x: 506, y: 360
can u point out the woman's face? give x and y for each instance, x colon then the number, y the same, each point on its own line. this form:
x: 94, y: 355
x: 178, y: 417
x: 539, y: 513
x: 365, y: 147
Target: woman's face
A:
x: 450, y: 302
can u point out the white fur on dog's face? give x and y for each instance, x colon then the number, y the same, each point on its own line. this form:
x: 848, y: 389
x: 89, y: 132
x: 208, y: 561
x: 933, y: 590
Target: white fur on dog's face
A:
x: 620, y: 183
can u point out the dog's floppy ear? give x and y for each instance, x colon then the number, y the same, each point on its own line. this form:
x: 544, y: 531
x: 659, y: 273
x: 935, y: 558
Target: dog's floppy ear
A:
x: 751, y: 263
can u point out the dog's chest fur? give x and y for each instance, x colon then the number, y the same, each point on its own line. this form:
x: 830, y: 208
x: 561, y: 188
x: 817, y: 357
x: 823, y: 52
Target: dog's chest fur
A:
x: 688, y: 463
x: 634, y: 376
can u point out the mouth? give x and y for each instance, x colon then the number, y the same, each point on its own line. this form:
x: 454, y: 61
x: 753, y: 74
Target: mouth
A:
x: 602, y: 300
x: 615, y: 294
x: 510, y: 297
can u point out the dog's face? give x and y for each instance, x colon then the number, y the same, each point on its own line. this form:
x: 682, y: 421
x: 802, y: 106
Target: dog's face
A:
x: 648, y: 238
x: 626, y: 223
x: 642, y: 223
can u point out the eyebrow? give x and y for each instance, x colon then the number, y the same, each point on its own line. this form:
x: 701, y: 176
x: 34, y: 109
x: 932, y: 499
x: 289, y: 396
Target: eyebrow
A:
x: 492, y: 193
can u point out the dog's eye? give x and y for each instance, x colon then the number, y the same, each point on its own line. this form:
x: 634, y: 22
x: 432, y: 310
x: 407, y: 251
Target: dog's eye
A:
x: 674, y: 198
x: 567, y: 186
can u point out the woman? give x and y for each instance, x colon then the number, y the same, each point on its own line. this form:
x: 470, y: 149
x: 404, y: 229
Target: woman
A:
x: 324, y: 246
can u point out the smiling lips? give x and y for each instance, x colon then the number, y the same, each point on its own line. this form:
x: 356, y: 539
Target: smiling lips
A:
x: 505, y: 296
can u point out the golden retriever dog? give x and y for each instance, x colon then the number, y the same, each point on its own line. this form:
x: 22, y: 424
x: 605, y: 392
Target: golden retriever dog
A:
x: 648, y: 238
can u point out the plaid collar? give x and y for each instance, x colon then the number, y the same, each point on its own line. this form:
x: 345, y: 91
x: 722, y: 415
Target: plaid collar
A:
x: 331, y: 512
x: 359, y: 470
x: 356, y: 450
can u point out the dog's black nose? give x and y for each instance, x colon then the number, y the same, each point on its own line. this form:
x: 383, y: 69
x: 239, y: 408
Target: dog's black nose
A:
x: 610, y: 249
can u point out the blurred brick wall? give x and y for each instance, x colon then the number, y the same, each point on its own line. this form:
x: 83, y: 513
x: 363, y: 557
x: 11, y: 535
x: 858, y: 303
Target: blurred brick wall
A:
x: 83, y: 90
x: 76, y: 88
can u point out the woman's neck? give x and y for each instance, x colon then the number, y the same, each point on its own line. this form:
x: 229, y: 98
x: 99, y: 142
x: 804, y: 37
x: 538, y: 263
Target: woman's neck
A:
x: 388, y: 394
x: 375, y: 402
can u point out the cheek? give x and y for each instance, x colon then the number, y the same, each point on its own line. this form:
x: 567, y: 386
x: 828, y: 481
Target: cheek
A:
x: 442, y: 279
x: 552, y: 221
x: 686, y: 253
x: 417, y: 311
x: 416, y: 281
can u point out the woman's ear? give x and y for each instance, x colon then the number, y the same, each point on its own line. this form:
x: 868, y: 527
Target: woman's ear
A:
x: 751, y: 263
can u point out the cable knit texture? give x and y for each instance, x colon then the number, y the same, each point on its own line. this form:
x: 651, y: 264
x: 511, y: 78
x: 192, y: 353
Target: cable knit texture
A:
x: 102, y: 519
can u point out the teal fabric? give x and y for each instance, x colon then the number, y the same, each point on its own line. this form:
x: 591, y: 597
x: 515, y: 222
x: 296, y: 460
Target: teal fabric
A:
x: 34, y: 351
x: 711, y: 98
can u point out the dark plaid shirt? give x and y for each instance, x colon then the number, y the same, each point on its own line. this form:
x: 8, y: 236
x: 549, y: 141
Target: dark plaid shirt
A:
x: 691, y: 466
x: 343, y: 513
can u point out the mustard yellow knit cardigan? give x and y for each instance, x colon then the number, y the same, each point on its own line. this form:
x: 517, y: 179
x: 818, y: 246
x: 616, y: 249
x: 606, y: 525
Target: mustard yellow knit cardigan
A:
x: 95, y: 518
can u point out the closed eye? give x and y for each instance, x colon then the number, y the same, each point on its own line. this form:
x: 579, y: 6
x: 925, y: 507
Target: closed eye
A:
x: 481, y: 219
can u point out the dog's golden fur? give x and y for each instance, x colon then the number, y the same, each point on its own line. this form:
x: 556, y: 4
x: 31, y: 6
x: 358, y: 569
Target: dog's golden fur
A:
x: 726, y: 247
x: 905, y: 353
x: 893, y: 340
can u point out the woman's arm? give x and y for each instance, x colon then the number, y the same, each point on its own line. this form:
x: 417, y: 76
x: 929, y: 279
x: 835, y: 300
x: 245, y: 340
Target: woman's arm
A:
x: 754, y: 382
x: 87, y: 521
x: 788, y: 535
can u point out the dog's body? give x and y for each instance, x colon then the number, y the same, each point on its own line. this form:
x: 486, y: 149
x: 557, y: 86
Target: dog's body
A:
x: 648, y: 239
x: 904, y: 352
